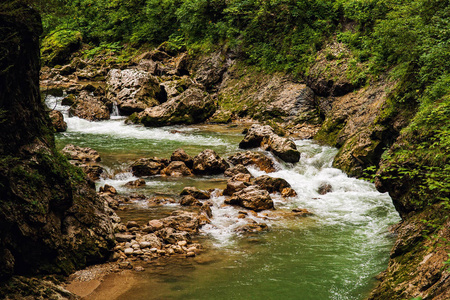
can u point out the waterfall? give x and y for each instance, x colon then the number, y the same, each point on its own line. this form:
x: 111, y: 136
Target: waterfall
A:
x: 115, y: 110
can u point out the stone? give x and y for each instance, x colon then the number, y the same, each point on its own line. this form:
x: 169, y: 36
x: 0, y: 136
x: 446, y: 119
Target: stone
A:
x: 236, y: 183
x: 190, y: 254
x: 302, y: 212
x: 193, y: 106
x: 107, y: 189
x: 135, y: 183
x: 128, y: 251
x: 208, y: 162
x: 253, y: 158
x: 120, y: 237
x: 181, y: 155
x: 288, y: 192
x: 131, y: 224
x: 255, y: 135
x: 148, y: 166
x: 182, y: 220
x: 237, y: 169
x: 172, y: 236
x: 176, y: 169
x: 81, y: 154
x: 92, y: 171
x: 188, y: 200
x: 252, y: 197
x: 132, y: 90
x: 264, y: 136
x: 58, y: 121
x: 155, y: 225
x: 324, y: 188
x: 271, y: 184
x: 89, y: 107
x: 253, y: 228
x: 195, y: 192
x: 151, y: 238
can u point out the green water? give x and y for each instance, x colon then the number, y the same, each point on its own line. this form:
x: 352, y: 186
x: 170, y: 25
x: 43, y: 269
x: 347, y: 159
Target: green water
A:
x: 333, y: 255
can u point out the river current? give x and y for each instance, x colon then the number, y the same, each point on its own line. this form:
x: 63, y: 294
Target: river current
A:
x: 335, y: 254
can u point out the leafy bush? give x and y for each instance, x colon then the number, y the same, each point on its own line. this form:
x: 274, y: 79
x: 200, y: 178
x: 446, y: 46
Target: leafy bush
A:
x: 58, y: 45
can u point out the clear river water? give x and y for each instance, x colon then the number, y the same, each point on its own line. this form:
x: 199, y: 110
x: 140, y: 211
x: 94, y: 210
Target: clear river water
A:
x: 335, y: 254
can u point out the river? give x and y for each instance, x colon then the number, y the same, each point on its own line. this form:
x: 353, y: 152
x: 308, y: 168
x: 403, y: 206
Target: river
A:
x: 335, y: 254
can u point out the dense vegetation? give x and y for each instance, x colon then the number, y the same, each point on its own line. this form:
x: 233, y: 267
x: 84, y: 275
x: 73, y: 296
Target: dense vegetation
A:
x: 409, y: 40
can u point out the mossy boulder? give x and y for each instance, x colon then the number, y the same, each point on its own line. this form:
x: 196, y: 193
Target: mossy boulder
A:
x: 59, y: 45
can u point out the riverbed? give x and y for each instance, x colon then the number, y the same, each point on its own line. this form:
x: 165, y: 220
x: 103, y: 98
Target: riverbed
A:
x: 334, y: 254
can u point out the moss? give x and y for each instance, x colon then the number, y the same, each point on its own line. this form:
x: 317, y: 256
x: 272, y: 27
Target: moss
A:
x: 58, y: 45
x: 329, y: 131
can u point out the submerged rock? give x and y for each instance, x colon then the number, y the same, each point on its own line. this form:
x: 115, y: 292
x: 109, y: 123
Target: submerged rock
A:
x: 81, y: 154
x: 195, y: 192
x: 325, y: 188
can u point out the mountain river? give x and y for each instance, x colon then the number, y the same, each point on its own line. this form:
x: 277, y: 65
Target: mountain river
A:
x: 335, y: 254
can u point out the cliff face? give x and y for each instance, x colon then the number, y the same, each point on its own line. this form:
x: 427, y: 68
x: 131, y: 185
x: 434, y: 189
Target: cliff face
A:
x: 51, y: 220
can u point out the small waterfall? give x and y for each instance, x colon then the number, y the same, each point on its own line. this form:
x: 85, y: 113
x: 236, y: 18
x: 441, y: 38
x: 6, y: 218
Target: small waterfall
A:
x: 115, y: 110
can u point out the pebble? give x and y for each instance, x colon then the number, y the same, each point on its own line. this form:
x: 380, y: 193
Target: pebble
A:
x: 128, y: 251
x: 139, y: 269
x: 182, y: 243
x: 190, y: 254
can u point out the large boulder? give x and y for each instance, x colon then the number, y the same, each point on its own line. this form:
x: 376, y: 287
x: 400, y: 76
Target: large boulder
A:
x: 148, y: 166
x: 236, y: 183
x: 89, y: 107
x: 191, y: 107
x: 252, y: 197
x: 208, y: 162
x: 133, y: 90
x: 253, y: 158
x: 263, y: 136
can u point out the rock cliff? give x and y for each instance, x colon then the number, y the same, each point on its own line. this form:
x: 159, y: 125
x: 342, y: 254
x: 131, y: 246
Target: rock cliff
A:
x: 51, y: 220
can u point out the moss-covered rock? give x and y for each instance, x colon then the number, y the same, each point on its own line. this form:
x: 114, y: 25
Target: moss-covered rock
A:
x: 59, y: 45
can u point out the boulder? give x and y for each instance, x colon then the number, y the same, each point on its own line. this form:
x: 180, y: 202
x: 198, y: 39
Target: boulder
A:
x: 182, y: 220
x: 132, y: 90
x: 188, y: 200
x: 155, y: 225
x: 237, y: 169
x: 283, y: 148
x: 195, y: 192
x: 253, y: 158
x: 181, y: 155
x: 172, y: 236
x: 288, y: 192
x: 208, y: 162
x: 81, y: 154
x: 92, y: 171
x: 148, y: 166
x: 190, y: 107
x: 263, y: 136
x: 176, y: 169
x: 255, y: 136
x: 58, y: 122
x: 252, y: 197
x: 89, y: 107
x: 236, y: 183
x: 271, y: 184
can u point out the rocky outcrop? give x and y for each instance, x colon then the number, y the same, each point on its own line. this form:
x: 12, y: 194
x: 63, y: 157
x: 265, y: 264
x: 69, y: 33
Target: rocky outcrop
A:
x: 190, y: 107
x: 263, y: 136
x: 80, y: 154
x: 208, y: 162
x: 133, y: 90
